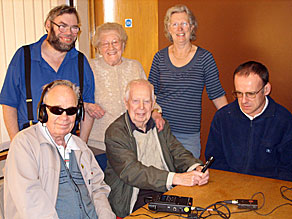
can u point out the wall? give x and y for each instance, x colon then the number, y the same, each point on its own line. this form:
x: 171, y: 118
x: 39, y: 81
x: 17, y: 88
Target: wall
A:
x: 238, y: 31
x: 83, y: 43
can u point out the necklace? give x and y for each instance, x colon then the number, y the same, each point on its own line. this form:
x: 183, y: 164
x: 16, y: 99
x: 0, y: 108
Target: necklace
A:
x: 185, y: 56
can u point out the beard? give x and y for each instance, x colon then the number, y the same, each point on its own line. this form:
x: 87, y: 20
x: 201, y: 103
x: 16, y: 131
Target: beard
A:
x: 55, y: 42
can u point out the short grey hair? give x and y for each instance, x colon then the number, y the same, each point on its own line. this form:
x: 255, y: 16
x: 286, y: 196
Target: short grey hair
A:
x: 107, y: 27
x: 67, y: 83
x: 180, y: 9
x: 139, y: 81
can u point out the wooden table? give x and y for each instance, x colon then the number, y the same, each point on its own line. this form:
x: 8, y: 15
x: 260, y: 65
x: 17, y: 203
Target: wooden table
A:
x: 3, y: 155
x: 229, y: 186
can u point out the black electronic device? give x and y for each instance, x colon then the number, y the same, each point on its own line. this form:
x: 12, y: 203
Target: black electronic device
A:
x: 207, y: 164
x: 247, y: 204
x: 171, y: 203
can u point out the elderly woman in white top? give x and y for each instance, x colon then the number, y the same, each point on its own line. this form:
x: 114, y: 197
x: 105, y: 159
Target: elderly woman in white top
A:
x: 112, y: 73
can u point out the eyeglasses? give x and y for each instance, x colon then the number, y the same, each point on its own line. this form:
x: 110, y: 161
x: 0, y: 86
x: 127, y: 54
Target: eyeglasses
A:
x: 64, y: 28
x: 251, y: 95
x: 58, y: 110
x: 106, y: 44
x: 182, y: 24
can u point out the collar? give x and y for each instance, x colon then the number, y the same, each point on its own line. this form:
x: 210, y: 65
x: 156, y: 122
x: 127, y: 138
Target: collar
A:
x: 36, y: 53
x: 71, y: 144
x: 150, y: 125
x: 253, y: 117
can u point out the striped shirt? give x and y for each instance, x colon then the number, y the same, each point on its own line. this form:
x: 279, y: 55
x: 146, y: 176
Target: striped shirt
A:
x: 179, y: 89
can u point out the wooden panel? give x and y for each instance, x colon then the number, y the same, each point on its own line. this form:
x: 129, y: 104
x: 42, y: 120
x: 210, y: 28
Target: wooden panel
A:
x: 2, y: 45
x: 238, y: 31
x: 9, y: 33
x: 29, y: 20
x: 143, y: 36
x: 38, y: 18
x: 84, y: 37
x: 3, y: 133
x: 19, y: 23
x: 91, y: 26
x: 46, y: 7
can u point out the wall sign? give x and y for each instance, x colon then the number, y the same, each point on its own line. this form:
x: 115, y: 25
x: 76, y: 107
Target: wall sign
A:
x: 128, y: 22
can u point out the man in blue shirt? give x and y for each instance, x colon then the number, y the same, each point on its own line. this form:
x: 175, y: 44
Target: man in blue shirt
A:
x: 253, y: 134
x: 53, y: 57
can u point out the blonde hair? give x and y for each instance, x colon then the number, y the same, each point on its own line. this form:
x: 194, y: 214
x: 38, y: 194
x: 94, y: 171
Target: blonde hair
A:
x: 180, y: 9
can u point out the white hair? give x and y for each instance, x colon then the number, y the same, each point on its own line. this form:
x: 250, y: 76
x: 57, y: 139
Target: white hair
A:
x: 139, y: 81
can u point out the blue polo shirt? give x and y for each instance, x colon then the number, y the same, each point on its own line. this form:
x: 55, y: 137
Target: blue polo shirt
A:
x: 14, y: 91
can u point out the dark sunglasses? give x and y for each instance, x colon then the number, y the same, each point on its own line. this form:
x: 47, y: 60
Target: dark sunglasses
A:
x: 58, y: 110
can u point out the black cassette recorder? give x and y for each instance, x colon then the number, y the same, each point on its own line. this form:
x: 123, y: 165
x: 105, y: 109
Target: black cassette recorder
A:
x: 171, y: 203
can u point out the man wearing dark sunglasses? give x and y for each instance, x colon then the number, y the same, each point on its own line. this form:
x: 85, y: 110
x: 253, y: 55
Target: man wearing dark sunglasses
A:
x: 252, y: 135
x: 53, y: 57
x: 51, y: 173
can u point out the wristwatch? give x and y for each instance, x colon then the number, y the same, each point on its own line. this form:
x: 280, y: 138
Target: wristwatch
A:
x: 157, y: 110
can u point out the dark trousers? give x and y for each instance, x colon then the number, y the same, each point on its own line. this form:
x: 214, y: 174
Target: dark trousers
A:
x: 144, y: 193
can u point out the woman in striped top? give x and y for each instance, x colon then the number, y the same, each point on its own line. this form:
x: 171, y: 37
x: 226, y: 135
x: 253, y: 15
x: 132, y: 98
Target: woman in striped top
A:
x: 179, y: 73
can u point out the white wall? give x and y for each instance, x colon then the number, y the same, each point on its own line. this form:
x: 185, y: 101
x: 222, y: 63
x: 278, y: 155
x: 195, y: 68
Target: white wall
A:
x: 21, y: 22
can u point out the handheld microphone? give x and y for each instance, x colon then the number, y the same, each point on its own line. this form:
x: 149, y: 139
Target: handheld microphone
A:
x: 207, y: 164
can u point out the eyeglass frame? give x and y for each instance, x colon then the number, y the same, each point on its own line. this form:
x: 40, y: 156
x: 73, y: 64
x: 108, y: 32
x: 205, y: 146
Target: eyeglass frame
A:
x: 106, y: 45
x: 182, y: 24
x: 247, y: 94
x: 65, y: 26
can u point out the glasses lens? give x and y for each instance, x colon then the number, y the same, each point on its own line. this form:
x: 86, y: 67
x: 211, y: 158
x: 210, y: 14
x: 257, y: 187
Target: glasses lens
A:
x: 250, y: 94
x: 115, y: 43
x: 75, y: 29
x: 55, y: 110
x: 174, y: 25
x: 58, y: 110
x: 237, y: 94
x: 71, y: 111
x: 104, y: 45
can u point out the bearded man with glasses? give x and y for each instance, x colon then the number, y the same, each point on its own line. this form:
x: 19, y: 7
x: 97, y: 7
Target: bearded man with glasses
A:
x: 253, y: 134
x: 53, y: 57
x: 51, y: 173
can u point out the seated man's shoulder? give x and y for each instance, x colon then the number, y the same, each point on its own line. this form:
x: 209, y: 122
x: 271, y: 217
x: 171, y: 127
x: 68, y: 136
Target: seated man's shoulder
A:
x: 282, y: 111
x: 26, y: 140
x: 119, y: 123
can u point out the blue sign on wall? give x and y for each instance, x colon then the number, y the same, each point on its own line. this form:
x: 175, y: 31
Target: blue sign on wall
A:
x: 128, y: 22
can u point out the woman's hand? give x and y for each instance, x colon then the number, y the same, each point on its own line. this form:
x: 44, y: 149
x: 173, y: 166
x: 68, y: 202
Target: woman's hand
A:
x: 94, y: 110
x: 159, y: 121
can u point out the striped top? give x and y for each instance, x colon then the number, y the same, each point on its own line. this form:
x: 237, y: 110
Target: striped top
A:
x: 179, y: 89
